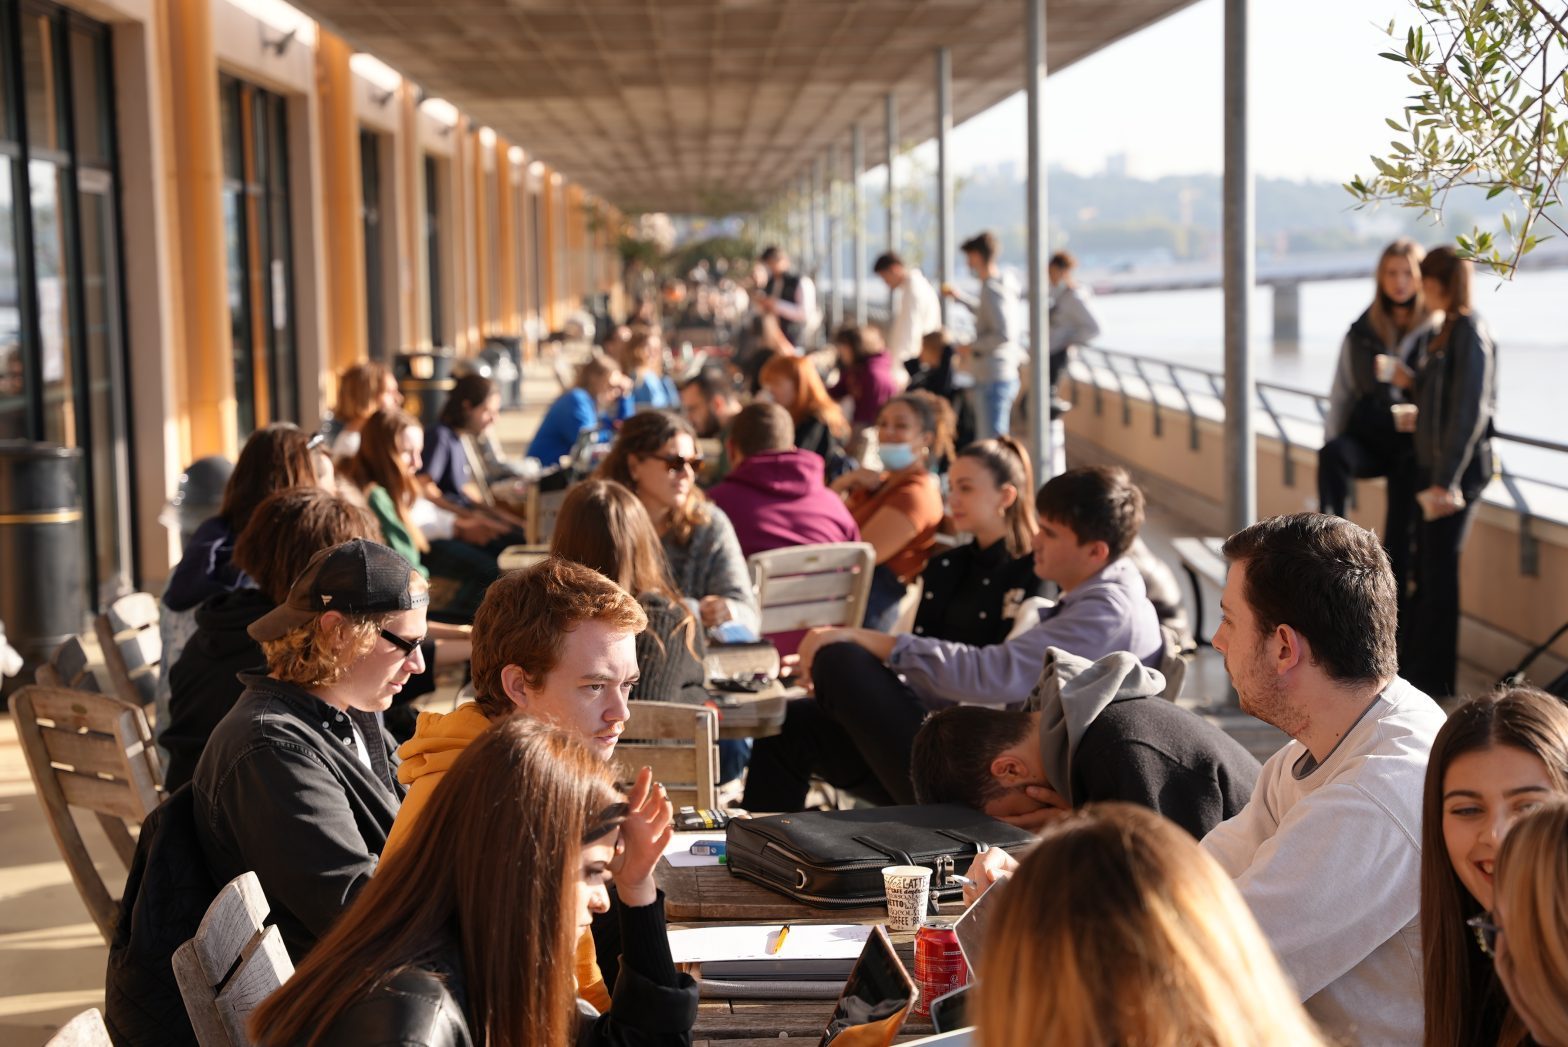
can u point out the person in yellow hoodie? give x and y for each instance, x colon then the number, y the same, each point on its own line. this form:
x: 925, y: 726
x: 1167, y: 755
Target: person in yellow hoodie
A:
x: 556, y: 641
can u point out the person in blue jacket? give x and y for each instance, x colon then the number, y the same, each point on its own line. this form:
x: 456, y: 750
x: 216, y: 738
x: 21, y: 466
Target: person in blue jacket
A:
x: 600, y: 386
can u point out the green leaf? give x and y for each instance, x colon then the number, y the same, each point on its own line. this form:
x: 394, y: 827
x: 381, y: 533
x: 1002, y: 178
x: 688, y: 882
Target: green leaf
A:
x: 1392, y: 57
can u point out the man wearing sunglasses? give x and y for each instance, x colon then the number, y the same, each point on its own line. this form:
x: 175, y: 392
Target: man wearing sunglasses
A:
x: 298, y: 783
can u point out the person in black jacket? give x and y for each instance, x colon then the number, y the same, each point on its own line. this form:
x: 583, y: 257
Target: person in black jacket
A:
x: 1092, y: 731
x: 1456, y: 399
x: 465, y: 935
x: 971, y: 594
x: 936, y: 371
x: 1376, y: 371
x: 298, y: 782
x: 294, y: 525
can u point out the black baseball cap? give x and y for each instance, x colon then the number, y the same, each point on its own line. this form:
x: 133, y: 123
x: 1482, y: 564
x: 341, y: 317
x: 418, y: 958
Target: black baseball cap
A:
x: 357, y: 577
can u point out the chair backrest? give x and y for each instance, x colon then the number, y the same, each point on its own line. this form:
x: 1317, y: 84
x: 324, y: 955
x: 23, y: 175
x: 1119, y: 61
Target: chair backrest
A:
x: 810, y: 585
x: 517, y: 557
x: 69, y: 666
x: 680, y: 743
x: 1173, y: 663
x: 539, y: 517
x: 741, y: 659
x: 94, y: 752
x: 476, y: 469
x: 132, y: 647
x: 232, y: 965
x: 85, y: 1030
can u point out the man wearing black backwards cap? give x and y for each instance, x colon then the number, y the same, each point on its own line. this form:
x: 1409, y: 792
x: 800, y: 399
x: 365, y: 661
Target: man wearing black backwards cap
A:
x: 299, y: 782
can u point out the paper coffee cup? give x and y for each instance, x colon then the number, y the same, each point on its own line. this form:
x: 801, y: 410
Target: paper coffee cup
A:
x: 1404, y: 417
x: 908, y: 894
x: 1383, y: 366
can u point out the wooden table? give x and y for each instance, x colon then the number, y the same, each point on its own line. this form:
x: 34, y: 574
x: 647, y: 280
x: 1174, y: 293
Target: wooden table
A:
x: 710, y: 894
x: 759, y: 715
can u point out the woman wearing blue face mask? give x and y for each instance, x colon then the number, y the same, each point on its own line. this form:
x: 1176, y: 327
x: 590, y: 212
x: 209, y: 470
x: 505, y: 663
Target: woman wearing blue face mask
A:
x: 899, y: 507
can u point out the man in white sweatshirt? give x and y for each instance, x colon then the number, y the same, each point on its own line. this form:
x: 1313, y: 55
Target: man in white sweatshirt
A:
x: 916, y: 311
x: 1327, y: 853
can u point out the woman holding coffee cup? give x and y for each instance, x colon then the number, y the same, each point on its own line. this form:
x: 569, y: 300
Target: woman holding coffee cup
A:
x: 1362, y: 429
x: 1455, y: 400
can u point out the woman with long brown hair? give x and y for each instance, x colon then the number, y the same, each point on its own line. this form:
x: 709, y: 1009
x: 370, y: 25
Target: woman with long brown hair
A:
x: 1376, y: 370
x: 1529, y: 927
x: 363, y: 389
x: 1497, y: 756
x: 1456, y: 399
x: 435, y: 541
x: 971, y: 594
x: 655, y: 457
x: 899, y: 506
x: 794, y: 384
x: 1119, y: 929
x: 602, y: 525
x: 466, y: 933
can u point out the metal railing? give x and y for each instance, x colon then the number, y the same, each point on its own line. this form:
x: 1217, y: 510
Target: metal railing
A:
x: 1295, y: 414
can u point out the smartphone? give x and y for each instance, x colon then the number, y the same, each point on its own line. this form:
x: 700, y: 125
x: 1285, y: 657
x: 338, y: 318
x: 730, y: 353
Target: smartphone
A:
x: 970, y: 927
x: 951, y: 1010
x: 876, y: 998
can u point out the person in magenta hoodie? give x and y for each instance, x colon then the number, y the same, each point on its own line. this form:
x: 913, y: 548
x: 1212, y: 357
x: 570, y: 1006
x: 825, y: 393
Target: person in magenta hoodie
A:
x: 774, y: 493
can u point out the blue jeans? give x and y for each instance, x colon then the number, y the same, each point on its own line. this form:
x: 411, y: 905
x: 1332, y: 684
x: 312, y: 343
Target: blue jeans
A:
x: 994, y: 407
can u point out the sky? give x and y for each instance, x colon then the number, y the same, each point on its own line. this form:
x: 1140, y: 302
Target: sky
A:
x: 1319, y: 95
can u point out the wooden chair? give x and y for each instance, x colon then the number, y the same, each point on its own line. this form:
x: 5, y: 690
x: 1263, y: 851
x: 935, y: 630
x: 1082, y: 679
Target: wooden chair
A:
x: 85, y: 1030
x: 94, y: 752
x: 517, y: 557
x: 810, y: 585
x: 678, y: 742
x: 69, y: 666
x: 232, y: 938
x: 132, y: 648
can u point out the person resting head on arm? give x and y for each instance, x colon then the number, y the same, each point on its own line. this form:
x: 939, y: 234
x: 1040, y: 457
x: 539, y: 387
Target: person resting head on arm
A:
x: 467, y: 934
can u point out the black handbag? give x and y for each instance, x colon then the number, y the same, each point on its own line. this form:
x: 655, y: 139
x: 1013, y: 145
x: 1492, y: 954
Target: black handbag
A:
x: 834, y: 859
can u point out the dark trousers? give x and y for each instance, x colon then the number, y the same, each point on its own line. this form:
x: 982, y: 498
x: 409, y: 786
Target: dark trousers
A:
x: 1429, y: 641
x: 882, y: 602
x: 1350, y: 457
x: 857, y: 734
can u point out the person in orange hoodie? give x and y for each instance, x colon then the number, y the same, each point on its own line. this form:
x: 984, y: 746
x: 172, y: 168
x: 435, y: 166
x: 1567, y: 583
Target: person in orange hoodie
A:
x: 556, y: 641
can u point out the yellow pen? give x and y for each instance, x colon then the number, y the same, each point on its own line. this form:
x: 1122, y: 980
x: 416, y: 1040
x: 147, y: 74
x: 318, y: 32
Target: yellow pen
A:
x: 778, y: 943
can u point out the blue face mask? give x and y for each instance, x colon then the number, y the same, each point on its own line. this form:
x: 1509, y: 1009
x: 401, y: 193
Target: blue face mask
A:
x: 897, y: 456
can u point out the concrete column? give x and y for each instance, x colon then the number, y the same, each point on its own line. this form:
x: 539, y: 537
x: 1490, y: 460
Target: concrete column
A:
x: 892, y: 180
x: 1287, y: 318
x: 835, y: 244
x: 1239, y: 236
x: 857, y: 232
x: 208, y: 349
x: 944, y: 172
x: 818, y: 248
x: 1040, y: 434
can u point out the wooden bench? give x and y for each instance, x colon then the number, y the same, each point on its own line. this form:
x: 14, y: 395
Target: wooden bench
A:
x: 232, y: 964
x: 1202, y: 560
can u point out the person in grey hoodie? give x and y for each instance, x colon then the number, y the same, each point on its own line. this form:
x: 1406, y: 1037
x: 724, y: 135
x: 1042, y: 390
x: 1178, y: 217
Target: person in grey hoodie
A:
x: 996, y: 353
x: 1092, y: 731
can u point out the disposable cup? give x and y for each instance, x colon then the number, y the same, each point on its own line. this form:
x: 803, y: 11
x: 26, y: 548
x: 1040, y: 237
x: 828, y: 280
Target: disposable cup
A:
x: 1404, y: 417
x: 908, y: 894
x: 1383, y: 365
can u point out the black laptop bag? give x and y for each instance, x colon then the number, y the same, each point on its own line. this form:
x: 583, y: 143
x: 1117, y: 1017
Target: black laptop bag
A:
x: 834, y: 859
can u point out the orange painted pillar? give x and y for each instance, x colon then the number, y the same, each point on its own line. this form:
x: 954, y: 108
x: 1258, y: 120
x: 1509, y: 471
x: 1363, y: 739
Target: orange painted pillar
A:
x: 507, y: 321
x: 342, y: 189
x: 549, y: 247
x: 208, y: 345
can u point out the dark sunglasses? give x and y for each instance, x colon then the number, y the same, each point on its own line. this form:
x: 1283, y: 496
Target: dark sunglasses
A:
x: 1486, y: 933
x: 408, y: 647
x: 675, y: 463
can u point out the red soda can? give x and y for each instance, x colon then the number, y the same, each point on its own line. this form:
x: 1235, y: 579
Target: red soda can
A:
x: 939, y: 963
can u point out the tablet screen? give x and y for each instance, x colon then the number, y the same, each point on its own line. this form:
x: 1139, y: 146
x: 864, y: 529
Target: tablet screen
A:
x: 876, y: 998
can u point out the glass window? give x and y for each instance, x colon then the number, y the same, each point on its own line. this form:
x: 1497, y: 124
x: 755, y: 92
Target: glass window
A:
x: 90, y: 104
x: 433, y: 250
x: 41, y: 84
x: 52, y: 285
x: 370, y: 215
x: 13, y: 377
x: 106, y: 414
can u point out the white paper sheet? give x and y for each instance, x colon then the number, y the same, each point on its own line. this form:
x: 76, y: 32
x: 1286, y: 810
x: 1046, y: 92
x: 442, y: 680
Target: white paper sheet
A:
x: 678, y: 851
x: 805, y: 941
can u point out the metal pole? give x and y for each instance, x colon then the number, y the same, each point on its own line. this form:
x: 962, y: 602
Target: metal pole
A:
x: 892, y: 181
x: 835, y: 245
x: 1039, y: 246
x: 944, y: 171
x: 816, y: 222
x: 1241, y: 500
x: 857, y: 232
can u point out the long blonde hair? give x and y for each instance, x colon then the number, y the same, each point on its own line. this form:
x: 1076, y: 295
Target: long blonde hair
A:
x: 1411, y: 254
x: 1119, y: 929
x: 1532, y: 893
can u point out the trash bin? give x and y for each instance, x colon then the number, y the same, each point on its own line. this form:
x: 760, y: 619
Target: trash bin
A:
x: 504, y: 354
x: 425, y: 377
x: 198, y: 497
x: 43, y: 545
